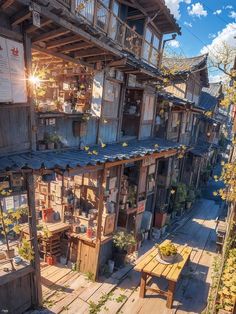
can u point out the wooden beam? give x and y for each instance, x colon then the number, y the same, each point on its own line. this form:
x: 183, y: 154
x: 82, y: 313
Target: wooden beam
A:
x: 31, y: 182
x: 64, y: 41
x: 32, y: 28
x: 73, y: 28
x: 6, y: 4
x: 28, y: 63
x: 78, y: 46
x: 50, y: 35
x: 99, y: 58
x: 119, y: 62
x: 20, y: 17
x: 10, y: 34
x: 61, y: 56
x: 90, y: 53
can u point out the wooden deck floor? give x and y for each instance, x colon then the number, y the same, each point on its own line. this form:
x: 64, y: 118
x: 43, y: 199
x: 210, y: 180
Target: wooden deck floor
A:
x: 69, y: 292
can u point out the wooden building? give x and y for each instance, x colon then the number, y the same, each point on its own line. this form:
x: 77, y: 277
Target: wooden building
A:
x: 77, y: 122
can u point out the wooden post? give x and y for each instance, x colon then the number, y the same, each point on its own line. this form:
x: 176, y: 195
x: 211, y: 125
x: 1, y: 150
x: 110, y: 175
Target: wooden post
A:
x: 99, y: 221
x: 143, y: 285
x: 170, y: 294
x: 120, y: 174
x: 28, y: 64
x: 33, y: 236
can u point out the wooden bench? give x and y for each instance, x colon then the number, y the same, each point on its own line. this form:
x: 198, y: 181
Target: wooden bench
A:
x: 149, y: 266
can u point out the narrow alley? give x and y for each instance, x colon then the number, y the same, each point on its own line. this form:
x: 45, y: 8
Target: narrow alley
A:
x: 120, y: 292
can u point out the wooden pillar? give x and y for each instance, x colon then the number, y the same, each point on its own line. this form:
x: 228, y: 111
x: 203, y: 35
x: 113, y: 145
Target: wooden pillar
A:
x: 33, y: 237
x: 120, y: 174
x: 99, y: 221
x: 28, y: 64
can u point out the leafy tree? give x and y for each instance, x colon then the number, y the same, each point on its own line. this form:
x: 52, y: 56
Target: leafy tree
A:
x: 9, y: 220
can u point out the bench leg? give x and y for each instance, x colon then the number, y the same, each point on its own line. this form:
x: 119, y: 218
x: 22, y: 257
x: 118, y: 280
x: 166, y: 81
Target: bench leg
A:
x: 143, y: 285
x: 170, y: 294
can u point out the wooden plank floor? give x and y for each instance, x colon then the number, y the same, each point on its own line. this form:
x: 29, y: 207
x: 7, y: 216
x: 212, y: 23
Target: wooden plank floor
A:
x: 69, y: 292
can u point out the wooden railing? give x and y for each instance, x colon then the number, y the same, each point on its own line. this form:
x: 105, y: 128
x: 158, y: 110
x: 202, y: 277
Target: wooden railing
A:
x: 95, y: 12
x: 101, y: 17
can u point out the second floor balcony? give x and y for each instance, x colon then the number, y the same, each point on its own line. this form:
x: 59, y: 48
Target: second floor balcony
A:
x: 128, y: 26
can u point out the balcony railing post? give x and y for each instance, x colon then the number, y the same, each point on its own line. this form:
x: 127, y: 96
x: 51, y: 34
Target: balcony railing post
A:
x: 95, y: 13
x: 72, y: 6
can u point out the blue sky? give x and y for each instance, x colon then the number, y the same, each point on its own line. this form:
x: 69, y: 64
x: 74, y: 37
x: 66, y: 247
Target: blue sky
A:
x: 203, y: 23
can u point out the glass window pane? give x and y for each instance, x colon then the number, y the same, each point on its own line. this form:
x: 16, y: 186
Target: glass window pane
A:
x: 155, y: 42
x: 102, y: 16
x: 106, y: 3
x: 87, y: 10
x: 154, y: 56
x: 148, y: 35
x: 146, y: 50
x: 116, y: 8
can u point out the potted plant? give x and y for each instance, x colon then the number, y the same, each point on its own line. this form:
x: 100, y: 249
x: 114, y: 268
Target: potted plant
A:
x: 122, y: 241
x: 41, y: 145
x: 167, y: 252
x: 180, y: 197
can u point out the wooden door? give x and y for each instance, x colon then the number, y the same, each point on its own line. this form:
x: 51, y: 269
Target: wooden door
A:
x: 147, y: 118
x: 110, y: 110
x: 86, y: 257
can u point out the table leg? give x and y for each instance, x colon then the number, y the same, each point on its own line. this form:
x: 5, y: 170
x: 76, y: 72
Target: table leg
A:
x: 170, y: 294
x: 143, y: 285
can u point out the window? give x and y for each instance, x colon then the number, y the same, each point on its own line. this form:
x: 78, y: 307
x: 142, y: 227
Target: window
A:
x: 151, y: 45
x: 148, y: 108
x: 103, y: 14
x: 86, y: 10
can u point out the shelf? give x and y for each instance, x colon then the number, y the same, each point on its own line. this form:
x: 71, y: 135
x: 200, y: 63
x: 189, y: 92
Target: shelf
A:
x: 46, y: 115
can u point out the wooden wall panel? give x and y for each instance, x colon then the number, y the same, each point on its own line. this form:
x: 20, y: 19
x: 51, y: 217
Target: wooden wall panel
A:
x: 14, y: 129
x: 108, y: 131
x: 145, y: 131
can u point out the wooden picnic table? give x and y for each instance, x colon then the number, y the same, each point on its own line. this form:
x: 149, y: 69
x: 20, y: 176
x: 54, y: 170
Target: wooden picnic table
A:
x: 150, y: 267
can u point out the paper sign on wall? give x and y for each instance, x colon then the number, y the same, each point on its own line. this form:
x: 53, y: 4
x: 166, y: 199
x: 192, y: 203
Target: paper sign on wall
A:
x: 12, y: 72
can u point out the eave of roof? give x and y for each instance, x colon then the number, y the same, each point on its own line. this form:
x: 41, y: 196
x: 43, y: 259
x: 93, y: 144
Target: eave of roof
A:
x: 74, y: 158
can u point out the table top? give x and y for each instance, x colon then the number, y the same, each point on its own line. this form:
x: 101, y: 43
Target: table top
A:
x: 54, y: 228
x: 150, y: 265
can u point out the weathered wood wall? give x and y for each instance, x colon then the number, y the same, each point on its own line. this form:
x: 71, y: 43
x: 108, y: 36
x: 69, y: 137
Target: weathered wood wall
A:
x: 14, y: 129
x: 17, y: 291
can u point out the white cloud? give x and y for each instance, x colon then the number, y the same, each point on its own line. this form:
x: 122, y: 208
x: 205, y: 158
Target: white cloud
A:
x: 225, y: 36
x: 217, y: 12
x: 174, y: 43
x: 215, y: 78
x: 174, y: 6
x: 197, y: 9
x: 188, y: 24
x: 229, y: 7
x: 232, y: 15
x: 212, y: 36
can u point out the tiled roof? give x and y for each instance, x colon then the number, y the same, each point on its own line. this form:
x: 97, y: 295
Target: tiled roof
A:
x: 209, y: 96
x: 183, y: 66
x: 201, y: 149
x: 73, y: 158
x: 174, y: 99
